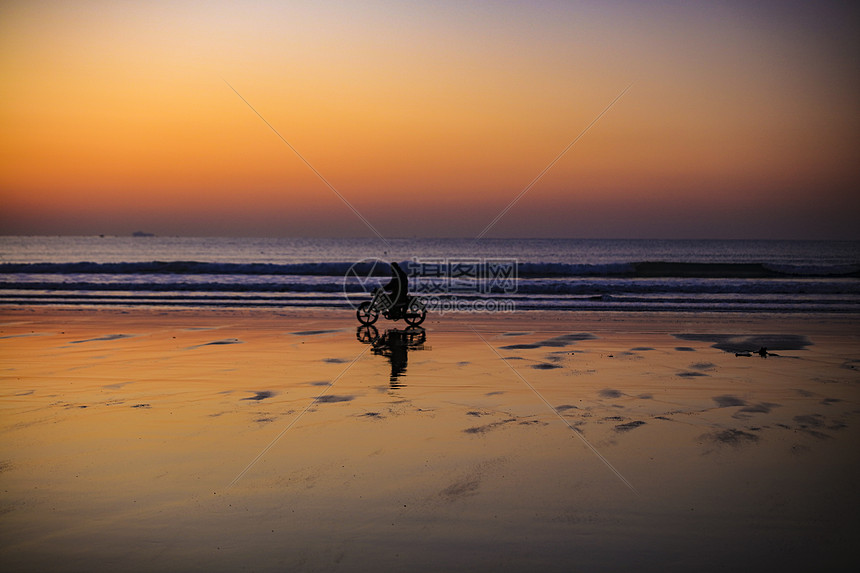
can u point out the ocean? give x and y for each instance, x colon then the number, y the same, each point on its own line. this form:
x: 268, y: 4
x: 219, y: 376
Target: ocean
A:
x: 452, y: 275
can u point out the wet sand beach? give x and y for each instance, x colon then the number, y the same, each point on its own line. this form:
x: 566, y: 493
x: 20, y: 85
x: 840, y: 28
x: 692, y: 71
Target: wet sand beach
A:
x: 221, y: 440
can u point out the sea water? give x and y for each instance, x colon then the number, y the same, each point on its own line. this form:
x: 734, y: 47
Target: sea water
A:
x: 481, y: 275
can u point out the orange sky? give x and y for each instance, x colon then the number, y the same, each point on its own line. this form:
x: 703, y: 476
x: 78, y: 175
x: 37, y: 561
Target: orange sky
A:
x: 430, y: 118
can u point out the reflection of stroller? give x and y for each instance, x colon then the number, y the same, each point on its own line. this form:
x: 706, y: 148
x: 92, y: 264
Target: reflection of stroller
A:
x: 413, y: 312
x: 395, y: 345
x: 412, y: 337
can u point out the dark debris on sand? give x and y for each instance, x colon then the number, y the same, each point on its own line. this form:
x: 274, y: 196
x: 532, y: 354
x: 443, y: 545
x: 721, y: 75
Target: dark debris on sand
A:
x: 545, y: 366
x: 728, y: 401
x: 332, y: 398
x: 554, y: 342
x: 733, y: 437
x: 807, y: 421
x: 222, y: 342
x: 488, y: 427
x: 610, y: 393
x: 744, y: 344
x: 814, y: 420
x: 629, y: 426
x: 313, y: 332
x: 216, y: 343
x: 461, y: 489
x: 105, y: 338
x: 260, y: 395
x: 814, y: 433
x: 850, y: 364
x: 761, y: 408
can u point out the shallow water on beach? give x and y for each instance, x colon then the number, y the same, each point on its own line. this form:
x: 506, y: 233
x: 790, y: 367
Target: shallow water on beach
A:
x: 222, y: 442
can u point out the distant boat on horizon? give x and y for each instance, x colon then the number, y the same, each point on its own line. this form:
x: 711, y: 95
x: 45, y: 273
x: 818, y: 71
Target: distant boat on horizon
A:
x: 142, y: 234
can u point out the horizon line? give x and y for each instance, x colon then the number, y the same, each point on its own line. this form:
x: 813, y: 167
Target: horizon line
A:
x: 149, y: 235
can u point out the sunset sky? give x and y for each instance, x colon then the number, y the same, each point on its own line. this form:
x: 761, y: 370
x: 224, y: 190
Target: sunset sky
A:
x: 743, y: 119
